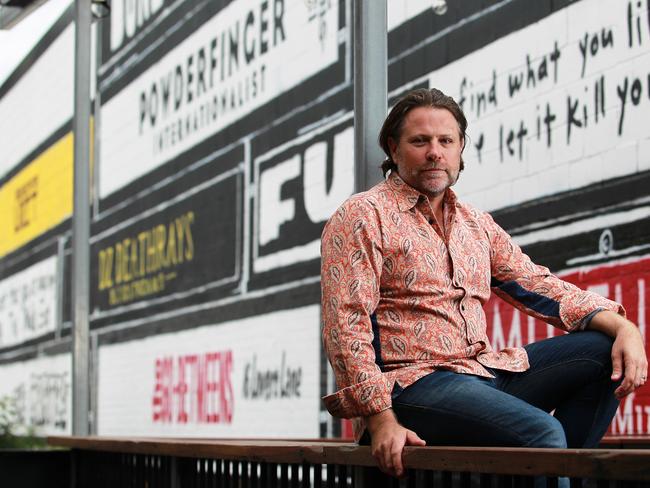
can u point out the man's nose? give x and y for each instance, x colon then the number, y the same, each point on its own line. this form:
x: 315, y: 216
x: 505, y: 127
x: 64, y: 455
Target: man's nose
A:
x: 433, y: 151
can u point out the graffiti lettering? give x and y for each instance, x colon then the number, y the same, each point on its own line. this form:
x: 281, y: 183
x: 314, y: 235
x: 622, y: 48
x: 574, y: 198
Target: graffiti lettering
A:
x: 128, y: 16
x: 534, y: 72
x: 479, y: 145
x: 25, y: 204
x: 549, y: 118
x: 320, y: 198
x: 49, y: 400
x: 507, y: 139
x: 479, y: 100
x: 27, y: 303
x: 633, y: 88
x: 635, y: 33
x: 281, y: 382
x: 227, y: 53
x: 590, y: 45
x: 137, y: 263
x: 572, y: 118
x: 194, y: 388
x: 631, y: 418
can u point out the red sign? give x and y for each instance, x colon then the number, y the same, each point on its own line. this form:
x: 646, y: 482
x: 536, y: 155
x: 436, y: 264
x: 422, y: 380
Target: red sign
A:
x: 194, y: 388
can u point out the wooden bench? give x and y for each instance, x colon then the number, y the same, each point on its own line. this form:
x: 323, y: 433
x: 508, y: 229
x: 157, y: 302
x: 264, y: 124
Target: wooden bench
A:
x: 151, y: 462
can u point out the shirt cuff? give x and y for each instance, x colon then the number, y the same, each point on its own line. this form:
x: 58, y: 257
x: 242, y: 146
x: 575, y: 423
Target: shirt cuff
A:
x: 576, y: 313
x: 362, y: 399
x: 587, y: 318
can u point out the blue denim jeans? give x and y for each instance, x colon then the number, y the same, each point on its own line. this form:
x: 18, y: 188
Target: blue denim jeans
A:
x: 569, y: 374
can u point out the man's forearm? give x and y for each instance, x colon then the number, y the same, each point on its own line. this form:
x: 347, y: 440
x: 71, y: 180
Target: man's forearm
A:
x: 609, y: 323
x: 376, y: 421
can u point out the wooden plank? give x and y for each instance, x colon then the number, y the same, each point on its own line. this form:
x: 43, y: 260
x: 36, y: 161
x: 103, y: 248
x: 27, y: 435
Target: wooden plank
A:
x: 622, y: 464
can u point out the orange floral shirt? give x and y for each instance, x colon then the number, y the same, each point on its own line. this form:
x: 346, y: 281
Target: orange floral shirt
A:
x: 401, y: 298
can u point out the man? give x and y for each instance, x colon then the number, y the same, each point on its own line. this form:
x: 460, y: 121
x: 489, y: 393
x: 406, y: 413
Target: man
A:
x: 406, y: 269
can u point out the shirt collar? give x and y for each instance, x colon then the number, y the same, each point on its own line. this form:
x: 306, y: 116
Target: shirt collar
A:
x: 407, y: 197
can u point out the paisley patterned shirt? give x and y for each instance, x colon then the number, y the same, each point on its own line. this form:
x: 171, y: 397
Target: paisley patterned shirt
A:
x: 402, y: 298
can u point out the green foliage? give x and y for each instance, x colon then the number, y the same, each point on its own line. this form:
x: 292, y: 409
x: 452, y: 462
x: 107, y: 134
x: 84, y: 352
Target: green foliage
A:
x: 8, y: 416
x: 9, y: 425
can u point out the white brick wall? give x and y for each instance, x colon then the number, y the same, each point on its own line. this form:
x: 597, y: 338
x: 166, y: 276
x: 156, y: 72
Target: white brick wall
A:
x: 130, y: 148
x: 40, y: 103
x: 28, y: 303
x: 42, y: 392
x: 534, y: 172
x: 644, y: 154
x: 127, y: 374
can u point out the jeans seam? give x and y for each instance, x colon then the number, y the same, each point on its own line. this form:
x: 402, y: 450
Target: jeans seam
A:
x: 566, y: 363
x: 448, y: 412
x: 532, y: 374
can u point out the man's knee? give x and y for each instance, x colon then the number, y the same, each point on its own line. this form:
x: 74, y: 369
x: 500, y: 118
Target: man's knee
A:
x: 599, y: 340
x: 587, y: 345
x: 599, y: 346
x: 547, y: 432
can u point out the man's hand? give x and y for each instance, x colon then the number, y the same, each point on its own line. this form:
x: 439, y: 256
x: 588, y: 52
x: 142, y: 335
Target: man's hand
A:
x: 388, y: 441
x: 628, y: 354
x: 629, y: 361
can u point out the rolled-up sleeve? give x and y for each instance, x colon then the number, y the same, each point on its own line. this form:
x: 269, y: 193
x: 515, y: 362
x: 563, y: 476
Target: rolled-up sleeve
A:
x: 534, y: 290
x: 351, y: 264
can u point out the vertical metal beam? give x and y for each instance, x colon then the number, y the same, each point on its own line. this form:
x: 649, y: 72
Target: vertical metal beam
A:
x: 99, y: 27
x: 60, y: 283
x: 81, y: 221
x: 370, y: 88
x: 93, y: 380
x: 94, y: 196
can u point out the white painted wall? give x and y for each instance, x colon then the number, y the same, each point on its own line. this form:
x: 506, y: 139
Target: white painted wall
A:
x: 42, y: 392
x: 594, y: 151
x: 306, y: 160
x: 137, y: 129
x: 40, y: 103
x: 285, y: 342
x: 398, y: 12
x: 28, y: 303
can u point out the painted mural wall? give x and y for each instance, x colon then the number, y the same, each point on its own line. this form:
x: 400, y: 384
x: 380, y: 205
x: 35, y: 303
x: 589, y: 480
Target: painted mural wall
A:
x: 36, y: 169
x: 225, y: 141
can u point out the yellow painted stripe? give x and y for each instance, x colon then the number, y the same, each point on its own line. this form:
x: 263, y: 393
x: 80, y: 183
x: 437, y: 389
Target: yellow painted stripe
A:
x: 39, y: 197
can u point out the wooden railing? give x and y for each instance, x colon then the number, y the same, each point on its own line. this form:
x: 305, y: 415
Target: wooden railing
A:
x: 180, y: 463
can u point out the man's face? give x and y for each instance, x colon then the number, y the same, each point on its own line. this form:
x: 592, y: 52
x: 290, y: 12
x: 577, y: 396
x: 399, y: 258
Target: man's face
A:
x: 428, y: 151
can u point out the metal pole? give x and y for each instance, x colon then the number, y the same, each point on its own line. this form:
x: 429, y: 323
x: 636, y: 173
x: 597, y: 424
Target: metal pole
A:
x: 370, y: 88
x: 99, y: 27
x: 60, y: 283
x: 81, y: 221
x: 94, y: 195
